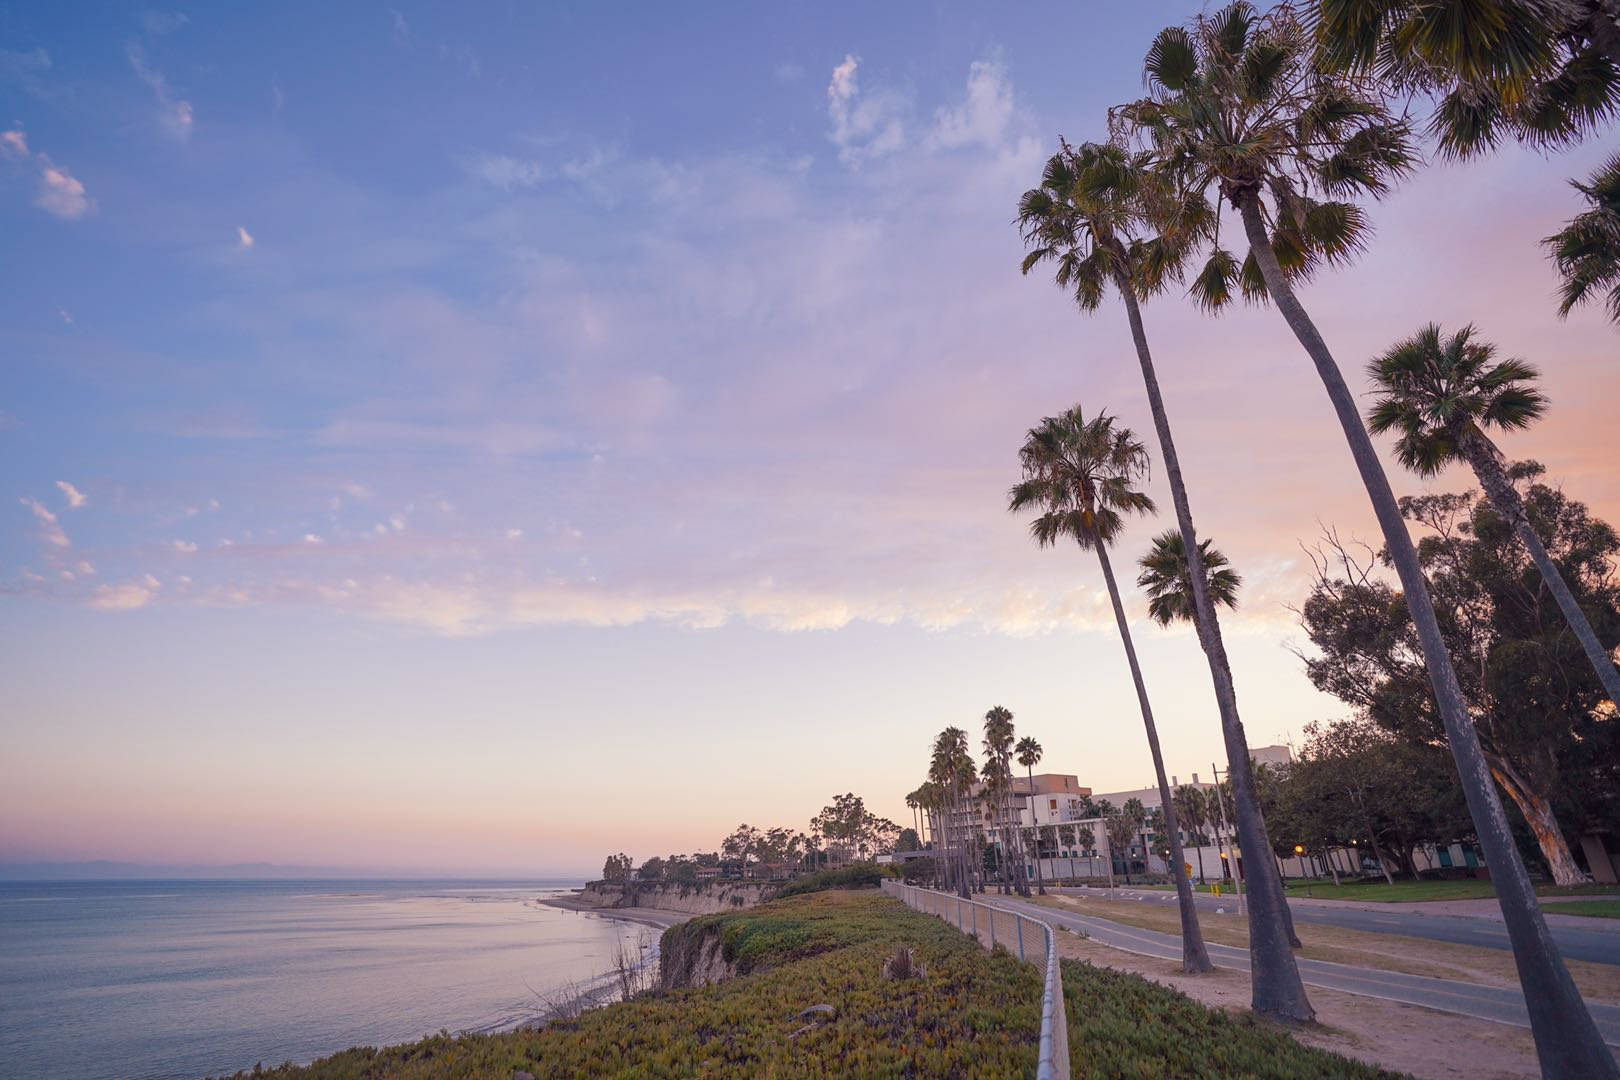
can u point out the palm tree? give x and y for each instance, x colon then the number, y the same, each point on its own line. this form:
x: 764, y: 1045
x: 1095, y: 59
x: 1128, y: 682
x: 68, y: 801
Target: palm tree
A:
x: 1166, y: 579
x: 1079, y: 474
x: 1193, y: 813
x: 952, y: 769
x: 1543, y: 73
x: 1086, y: 838
x: 1236, y: 104
x: 990, y: 776
x: 1548, y: 74
x: 1090, y: 217
x: 1029, y: 755
x: 1440, y: 393
x: 1587, y: 250
x: 998, y: 747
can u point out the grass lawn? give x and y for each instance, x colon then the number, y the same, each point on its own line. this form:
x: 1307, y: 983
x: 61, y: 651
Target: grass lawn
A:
x: 1381, y: 892
x: 1598, y: 909
x: 973, y: 1013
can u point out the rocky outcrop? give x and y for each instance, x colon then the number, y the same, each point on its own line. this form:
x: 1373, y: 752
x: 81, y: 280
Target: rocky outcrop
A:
x: 710, y: 898
x: 692, y: 954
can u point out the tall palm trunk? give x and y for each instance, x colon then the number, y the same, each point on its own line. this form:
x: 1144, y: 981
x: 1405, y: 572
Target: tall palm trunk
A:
x: 1567, y: 1040
x: 1276, y: 986
x: 1034, y: 822
x: 1194, y: 956
x: 1021, y: 878
x: 1486, y: 460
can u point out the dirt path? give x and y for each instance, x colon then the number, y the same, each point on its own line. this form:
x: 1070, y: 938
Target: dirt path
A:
x: 1406, y: 1038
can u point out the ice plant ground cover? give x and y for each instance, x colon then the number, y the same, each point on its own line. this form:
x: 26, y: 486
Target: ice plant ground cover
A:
x: 970, y: 1012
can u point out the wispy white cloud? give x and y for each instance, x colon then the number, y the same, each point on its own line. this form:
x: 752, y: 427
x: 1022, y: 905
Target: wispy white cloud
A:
x: 507, y: 172
x: 75, y: 497
x: 13, y: 144
x: 175, y: 113
x: 50, y: 530
x: 982, y: 118
x: 865, y: 125
x: 243, y: 237
x: 184, y: 547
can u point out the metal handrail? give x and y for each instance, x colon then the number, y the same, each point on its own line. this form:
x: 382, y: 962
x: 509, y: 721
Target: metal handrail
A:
x: 1054, y: 1052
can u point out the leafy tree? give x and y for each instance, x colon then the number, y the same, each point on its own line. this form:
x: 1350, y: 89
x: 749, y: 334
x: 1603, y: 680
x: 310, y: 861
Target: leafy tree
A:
x: 617, y: 868
x: 908, y: 840
x: 1237, y: 105
x: 651, y: 870
x: 1105, y: 217
x: 1542, y: 719
x: 1080, y: 475
x: 1441, y: 392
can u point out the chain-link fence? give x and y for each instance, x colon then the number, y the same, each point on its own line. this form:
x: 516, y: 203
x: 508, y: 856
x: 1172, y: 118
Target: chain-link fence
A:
x: 1032, y: 940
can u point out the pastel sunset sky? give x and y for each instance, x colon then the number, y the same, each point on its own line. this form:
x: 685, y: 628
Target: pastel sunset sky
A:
x: 473, y: 438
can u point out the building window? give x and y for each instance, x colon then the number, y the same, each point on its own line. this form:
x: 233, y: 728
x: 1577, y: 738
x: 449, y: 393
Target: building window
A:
x: 1053, y: 802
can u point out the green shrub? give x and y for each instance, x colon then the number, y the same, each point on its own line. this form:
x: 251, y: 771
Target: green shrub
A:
x: 858, y: 876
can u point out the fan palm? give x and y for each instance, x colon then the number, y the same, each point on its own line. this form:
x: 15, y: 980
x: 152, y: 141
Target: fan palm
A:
x: 951, y: 767
x: 1105, y: 218
x: 1080, y: 476
x: 1167, y: 579
x: 1547, y: 74
x: 998, y: 748
x: 1193, y: 814
x: 1587, y: 250
x: 1544, y: 73
x: 1441, y: 392
x: 1029, y: 755
x: 1236, y: 104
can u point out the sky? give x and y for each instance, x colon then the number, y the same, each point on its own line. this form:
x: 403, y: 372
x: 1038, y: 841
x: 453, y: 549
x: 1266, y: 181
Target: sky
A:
x: 474, y: 439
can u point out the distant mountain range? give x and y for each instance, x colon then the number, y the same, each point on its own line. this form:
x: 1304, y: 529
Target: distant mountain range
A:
x: 107, y: 870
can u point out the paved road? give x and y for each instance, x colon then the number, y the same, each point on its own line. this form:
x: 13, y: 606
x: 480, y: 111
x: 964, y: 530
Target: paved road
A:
x: 1599, y: 943
x: 1499, y: 1004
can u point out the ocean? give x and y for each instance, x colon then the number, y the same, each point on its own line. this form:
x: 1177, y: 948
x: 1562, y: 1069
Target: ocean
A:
x: 176, y: 980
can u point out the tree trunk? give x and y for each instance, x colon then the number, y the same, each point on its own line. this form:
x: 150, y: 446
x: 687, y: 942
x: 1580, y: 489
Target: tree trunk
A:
x: 1035, y: 824
x: 1277, y: 988
x: 1567, y: 1039
x: 1194, y: 956
x: 1487, y: 463
x: 1538, y: 814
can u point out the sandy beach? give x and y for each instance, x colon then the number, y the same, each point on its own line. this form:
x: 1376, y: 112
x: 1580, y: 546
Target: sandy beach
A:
x: 645, y: 916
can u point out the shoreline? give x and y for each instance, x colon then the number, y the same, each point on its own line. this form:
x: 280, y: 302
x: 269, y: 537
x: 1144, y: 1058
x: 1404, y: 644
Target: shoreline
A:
x: 645, y: 916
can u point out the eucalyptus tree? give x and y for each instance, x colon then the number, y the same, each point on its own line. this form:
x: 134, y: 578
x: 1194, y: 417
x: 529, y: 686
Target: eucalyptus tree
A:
x: 1104, y: 217
x: 1079, y: 476
x: 1029, y: 755
x: 1587, y: 250
x: 1237, y: 105
x: 1441, y: 392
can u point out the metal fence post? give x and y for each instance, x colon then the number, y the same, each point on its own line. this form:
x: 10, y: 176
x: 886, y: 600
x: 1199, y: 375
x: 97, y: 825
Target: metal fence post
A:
x: 1020, y: 937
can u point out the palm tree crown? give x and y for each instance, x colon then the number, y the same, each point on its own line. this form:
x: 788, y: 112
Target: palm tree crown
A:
x: 1436, y: 390
x: 1544, y: 73
x: 1168, y: 582
x: 1081, y: 473
x: 1587, y: 250
x: 1029, y: 752
x: 1236, y: 103
x: 1088, y: 217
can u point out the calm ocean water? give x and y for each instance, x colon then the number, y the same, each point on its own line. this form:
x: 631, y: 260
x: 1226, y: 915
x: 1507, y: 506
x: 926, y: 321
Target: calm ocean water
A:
x: 183, y: 979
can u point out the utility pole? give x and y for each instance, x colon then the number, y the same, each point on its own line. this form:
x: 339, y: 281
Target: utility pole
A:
x: 1231, y: 837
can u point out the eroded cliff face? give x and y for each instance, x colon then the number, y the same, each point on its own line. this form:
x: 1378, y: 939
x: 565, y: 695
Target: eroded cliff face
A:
x: 708, y: 899
x: 692, y: 954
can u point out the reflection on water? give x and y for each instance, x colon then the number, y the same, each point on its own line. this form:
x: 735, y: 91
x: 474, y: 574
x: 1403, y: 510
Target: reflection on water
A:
x: 183, y: 979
